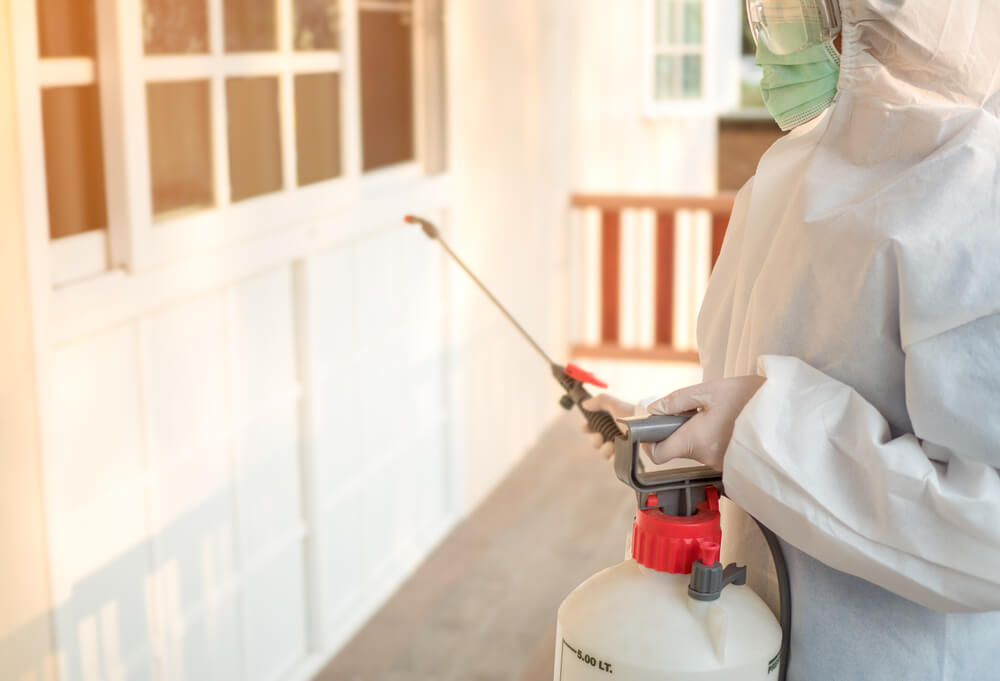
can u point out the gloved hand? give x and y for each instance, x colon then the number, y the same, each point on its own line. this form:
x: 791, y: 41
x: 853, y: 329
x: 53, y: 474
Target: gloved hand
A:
x: 705, y: 437
x: 618, y: 408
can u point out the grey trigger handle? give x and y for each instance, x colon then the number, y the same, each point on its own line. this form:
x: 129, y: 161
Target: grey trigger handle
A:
x: 678, y: 489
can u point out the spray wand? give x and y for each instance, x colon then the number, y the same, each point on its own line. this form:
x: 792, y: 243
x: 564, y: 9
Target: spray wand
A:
x: 570, y: 377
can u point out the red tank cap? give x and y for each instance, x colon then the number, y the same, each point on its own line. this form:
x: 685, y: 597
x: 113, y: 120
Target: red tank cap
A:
x: 669, y: 543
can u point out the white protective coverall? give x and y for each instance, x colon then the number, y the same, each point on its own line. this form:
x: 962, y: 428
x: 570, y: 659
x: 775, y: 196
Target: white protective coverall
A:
x: 861, y: 275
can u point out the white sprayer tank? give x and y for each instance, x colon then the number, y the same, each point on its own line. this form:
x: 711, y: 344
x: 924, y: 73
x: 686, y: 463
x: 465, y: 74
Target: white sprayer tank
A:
x: 637, y: 621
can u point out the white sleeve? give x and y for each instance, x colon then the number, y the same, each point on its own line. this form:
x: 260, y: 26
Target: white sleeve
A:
x: 918, y: 515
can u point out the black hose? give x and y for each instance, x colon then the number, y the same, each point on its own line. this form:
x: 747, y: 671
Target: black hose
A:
x: 781, y: 568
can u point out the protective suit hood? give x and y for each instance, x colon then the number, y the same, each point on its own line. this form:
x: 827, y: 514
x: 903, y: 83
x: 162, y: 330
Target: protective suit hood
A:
x: 922, y: 52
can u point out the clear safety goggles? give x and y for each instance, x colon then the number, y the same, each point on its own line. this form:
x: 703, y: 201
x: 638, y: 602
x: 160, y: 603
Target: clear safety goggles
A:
x: 787, y: 26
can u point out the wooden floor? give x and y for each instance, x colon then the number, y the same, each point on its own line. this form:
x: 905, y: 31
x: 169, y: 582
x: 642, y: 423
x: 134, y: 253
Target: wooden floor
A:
x: 482, y: 607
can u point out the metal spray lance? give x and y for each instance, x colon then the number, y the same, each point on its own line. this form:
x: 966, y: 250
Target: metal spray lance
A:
x: 570, y: 377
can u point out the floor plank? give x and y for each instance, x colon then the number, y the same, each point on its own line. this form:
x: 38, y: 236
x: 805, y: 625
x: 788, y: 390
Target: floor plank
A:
x: 483, y: 605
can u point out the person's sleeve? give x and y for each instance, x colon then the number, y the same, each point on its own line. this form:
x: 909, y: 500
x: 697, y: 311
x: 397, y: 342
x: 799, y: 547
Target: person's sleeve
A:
x: 917, y: 514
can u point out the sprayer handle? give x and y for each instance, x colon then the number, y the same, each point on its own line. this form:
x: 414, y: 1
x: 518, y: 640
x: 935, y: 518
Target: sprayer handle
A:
x: 601, y: 421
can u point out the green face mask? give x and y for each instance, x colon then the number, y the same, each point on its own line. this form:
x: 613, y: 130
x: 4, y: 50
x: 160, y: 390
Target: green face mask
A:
x: 797, y: 87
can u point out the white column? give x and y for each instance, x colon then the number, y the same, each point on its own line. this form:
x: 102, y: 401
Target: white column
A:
x: 628, y: 274
x: 590, y: 281
x: 645, y: 265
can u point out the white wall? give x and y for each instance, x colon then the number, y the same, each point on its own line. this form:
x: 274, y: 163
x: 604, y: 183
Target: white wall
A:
x: 247, y: 449
x: 512, y: 177
x: 238, y: 476
x: 616, y: 146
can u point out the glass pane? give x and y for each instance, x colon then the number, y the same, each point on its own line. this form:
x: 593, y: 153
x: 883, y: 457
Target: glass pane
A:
x: 666, y: 68
x: 180, y: 146
x: 74, y: 160
x: 175, y: 26
x: 692, y: 22
x: 386, y: 88
x: 317, y: 126
x: 664, y: 21
x: 66, y: 28
x: 250, y: 26
x: 317, y: 25
x: 691, y: 78
x: 254, y: 136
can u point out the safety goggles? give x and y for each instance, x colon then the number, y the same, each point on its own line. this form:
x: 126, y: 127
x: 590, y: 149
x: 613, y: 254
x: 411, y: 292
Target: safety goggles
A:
x: 787, y: 26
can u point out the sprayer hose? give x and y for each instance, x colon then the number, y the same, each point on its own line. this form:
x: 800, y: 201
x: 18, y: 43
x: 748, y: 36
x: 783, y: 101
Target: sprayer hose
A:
x: 781, y: 568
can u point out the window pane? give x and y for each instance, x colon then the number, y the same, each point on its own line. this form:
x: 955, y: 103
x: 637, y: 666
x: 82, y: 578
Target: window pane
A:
x: 254, y: 136
x: 317, y: 25
x: 691, y: 80
x: 692, y: 22
x: 74, y: 160
x: 175, y: 26
x: 317, y: 126
x: 250, y: 26
x: 664, y: 22
x: 180, y: 146
x: 666, y: 76
x: 386, y: 88
x: 66, y: 28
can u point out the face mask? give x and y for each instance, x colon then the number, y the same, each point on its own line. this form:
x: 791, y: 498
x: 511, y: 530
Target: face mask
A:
x: 797, y: 87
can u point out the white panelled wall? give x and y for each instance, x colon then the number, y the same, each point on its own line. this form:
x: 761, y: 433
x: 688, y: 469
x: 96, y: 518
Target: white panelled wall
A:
x: 247, y: 448
x: 238, y: 478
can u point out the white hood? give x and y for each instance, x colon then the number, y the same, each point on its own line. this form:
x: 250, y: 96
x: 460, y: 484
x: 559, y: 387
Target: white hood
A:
x: 923, y: 52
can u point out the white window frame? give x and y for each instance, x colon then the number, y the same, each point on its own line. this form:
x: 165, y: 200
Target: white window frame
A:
x: 79, y: 255
x: 136, y: 241
x: 663, y: 108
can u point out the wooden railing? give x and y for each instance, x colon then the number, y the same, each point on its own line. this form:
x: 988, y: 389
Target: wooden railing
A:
x: 705, y: 219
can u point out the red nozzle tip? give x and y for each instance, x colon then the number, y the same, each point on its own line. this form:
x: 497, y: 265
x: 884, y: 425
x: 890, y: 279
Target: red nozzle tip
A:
x: 709, y: 551
x: 573, y: 371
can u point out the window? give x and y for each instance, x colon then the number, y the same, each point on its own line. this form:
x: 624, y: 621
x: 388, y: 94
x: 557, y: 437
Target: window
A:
x: 317, y: 114
x: 676, y: 35
x: 72, y: 142
x: 387, y: 127
x: 216, y: 120
x: 222, y: 112
x: 180, y: 144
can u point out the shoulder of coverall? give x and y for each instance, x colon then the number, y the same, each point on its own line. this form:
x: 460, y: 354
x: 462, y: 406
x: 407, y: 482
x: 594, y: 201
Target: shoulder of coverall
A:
x: 923, y: 51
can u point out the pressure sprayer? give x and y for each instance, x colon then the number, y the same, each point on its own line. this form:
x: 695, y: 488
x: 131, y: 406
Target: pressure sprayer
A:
x: 670, y: 611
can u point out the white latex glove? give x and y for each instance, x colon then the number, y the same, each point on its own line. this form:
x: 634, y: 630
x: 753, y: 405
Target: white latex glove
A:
x: 618, y: 408
x: 705, y: 437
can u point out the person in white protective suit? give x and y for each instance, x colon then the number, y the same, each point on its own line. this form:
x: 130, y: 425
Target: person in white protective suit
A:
x: 850, y: 340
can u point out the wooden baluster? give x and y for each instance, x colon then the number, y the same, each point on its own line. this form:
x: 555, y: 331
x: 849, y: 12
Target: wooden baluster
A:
x: 610, y: 229
x: 719, y: 223
x: 665, y: 279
